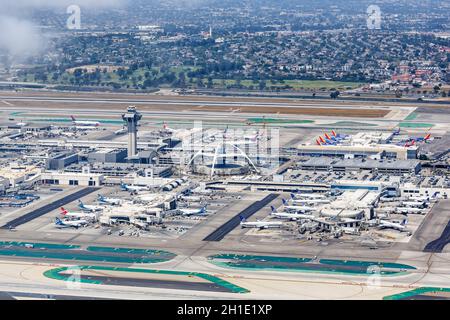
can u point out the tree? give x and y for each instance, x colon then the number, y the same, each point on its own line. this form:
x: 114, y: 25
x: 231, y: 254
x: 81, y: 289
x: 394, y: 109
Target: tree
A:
x: 262, y: 85
x: 210, y: 83
x: 335, y: 94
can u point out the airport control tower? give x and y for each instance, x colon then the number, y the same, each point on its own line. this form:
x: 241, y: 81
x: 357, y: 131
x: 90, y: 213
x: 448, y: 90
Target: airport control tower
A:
x: 132, y: 117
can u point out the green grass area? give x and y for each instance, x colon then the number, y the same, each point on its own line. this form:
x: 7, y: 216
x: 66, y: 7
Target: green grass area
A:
x: 294, y: 84
x: 322, y: 84
x: 68, y: 120
x: 278, y: 121
x: 367, y: 264
x: 258, y: 258
x: 37, y: 245
x: 138, y: 77
x: 15, y: 114
x: 132, y: 251
x: 78, y: 256
x: 415, y: 125
x: 418, y: 291
x: 352, y: 124
x: 411, y: 116
x: 56, y: 274
x: 291, y: 264
x: 70, y: 252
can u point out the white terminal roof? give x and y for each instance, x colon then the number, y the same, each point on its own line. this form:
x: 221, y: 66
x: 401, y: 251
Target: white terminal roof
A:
x: 18, y: 171
x: 355, y: 200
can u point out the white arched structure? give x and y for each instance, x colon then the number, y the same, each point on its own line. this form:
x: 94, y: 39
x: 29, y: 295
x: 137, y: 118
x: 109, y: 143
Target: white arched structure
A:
x: 216, y: 153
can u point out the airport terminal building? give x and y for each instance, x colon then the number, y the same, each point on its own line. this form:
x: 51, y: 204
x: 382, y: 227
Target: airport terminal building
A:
x: 359, y: 151
x: 396, y: 167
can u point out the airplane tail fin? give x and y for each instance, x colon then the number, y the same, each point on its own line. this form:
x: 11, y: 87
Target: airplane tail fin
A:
x: 333, y: 133
x: 73, y: 118
x: 405, y: 222
x: 284, y: 201
x: 292, y: 196
x: 58, y: 221
x: 241, y: 217
x: 63, y: 211
x: 273, y: 209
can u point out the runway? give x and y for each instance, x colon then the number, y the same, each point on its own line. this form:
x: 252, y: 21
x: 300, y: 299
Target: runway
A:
x: 200, y: 104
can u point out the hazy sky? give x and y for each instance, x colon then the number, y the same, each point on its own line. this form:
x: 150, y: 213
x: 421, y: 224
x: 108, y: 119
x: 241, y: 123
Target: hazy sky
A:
x: 14, y: 4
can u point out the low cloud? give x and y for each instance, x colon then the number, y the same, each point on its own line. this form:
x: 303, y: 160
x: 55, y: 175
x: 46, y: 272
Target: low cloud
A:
x: 19, y: 38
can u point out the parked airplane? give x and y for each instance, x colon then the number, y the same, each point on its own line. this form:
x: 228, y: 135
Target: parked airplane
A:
x: 193, y: 212
x: 307, y: 196
x: 291, y: 216
x: 351, y: 231
x: 403, y: 210
x: 422, y: 139
x: 126, y: 187
x: 70, y: 224
x: 410, y: 143
x: 297, y: 208
x: 21, y: 124
x: 327, y: 141
x: 310, y: 201
x: 338, y: 136
x: 88, y: 208
x: 120, y: 131
x: 78, y: 215
x: 419, y: 198
x: 423, y: 198
x: 167, y: 129
x: 414, y: 204
x: 260, y: 224
x: 392, y: 225
x: 110, y: 201
x: 84, y: 123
